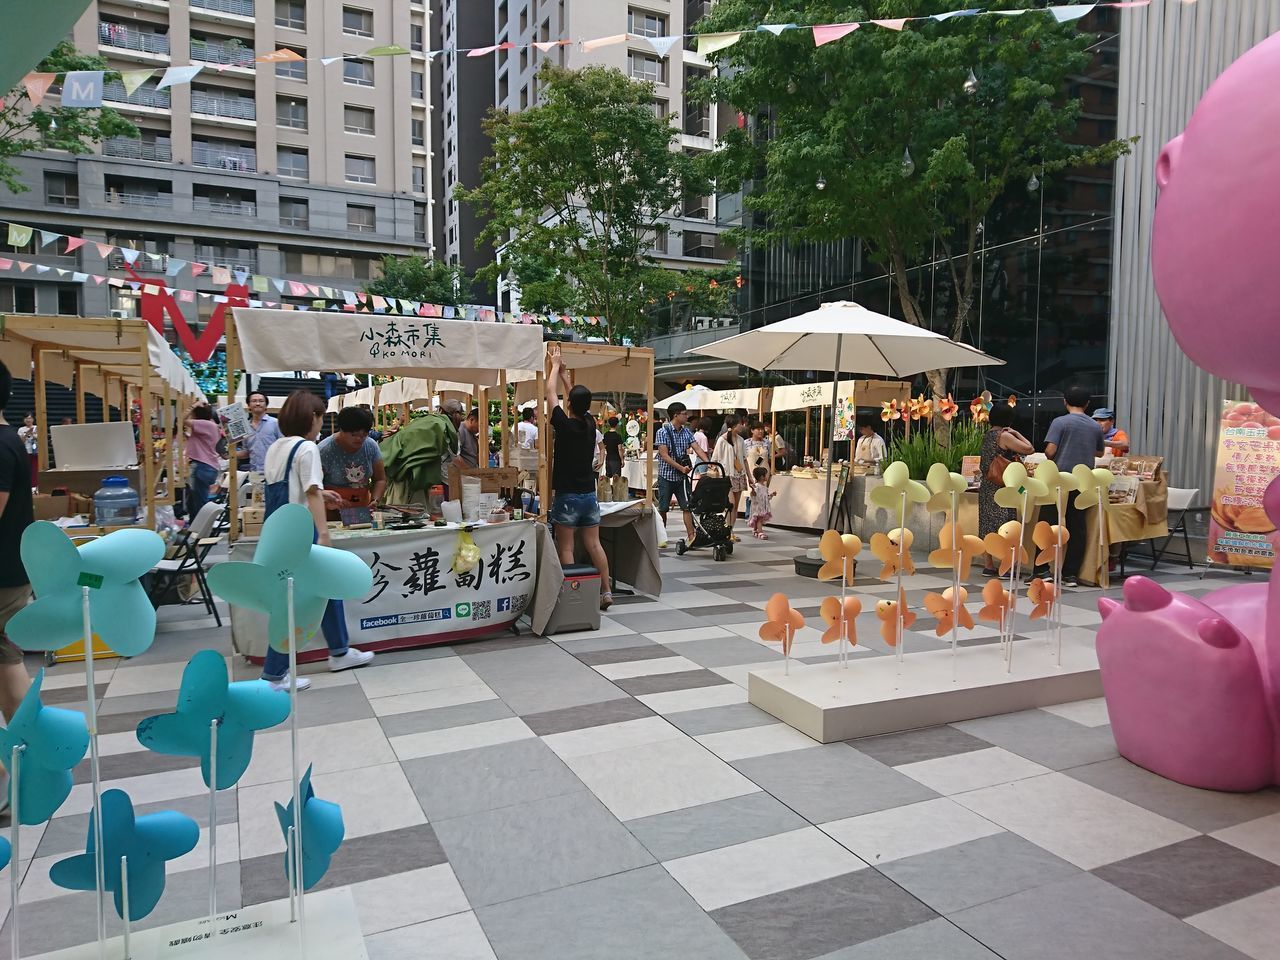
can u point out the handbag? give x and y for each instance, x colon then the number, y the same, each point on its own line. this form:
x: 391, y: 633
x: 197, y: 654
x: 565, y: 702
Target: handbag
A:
x: 276, y: 495
x: 999, y: 464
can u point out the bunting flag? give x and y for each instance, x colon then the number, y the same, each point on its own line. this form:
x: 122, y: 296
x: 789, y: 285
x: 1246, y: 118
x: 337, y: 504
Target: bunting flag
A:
x: 830, y: 32
x: 328, y: 60
x: 943, y: 17
x: 775, y: 28
x: 174, y: 75
x: 198, y: 268
x: 47, y: 237
x: 174, y: 267
x: 82, y: 88
x: 220, y: 276
x: 661, y: 45
x: 283, y: 55
x: 104, y: 249
x: 74, y: 243
x: 130, y: 255
x: 1074, y: 11
x: 390, y: 50
x: 713, y: 42
x: 589, y: 45
x: 37, y: 85
x: 19, y: 236
x: 482, y: 51
x: 895, y: 24
x: 133, y: 79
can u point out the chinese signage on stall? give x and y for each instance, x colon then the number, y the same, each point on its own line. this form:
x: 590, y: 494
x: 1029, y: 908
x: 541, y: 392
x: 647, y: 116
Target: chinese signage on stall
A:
x: 1240, y: 533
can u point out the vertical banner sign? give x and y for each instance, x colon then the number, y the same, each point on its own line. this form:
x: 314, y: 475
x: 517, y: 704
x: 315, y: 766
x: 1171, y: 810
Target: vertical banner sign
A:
x: 1240, y: 533
x: 846, y: 425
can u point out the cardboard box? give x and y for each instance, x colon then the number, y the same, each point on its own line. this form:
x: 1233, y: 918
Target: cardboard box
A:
x: 251, y: 529
x: 49, y: 507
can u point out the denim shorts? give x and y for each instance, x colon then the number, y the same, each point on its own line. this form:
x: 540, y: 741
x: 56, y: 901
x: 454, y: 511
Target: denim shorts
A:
x: 575, y: 510
x: 668, y: 487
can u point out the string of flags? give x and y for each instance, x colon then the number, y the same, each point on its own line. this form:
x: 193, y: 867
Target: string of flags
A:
x: 324, y: 297
x: 85, y: 88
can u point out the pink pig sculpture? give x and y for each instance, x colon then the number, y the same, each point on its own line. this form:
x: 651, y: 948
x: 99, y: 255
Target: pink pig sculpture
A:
x: 1193, y: 685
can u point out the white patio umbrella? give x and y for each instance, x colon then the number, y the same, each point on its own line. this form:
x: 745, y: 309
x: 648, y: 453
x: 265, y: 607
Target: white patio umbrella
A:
x: 694, y: 398
x: 860, y: 340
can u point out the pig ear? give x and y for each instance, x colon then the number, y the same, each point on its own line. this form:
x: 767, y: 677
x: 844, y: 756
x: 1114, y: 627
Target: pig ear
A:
x: 1107, y: 606
x: 1218, y: 632
x: 1168, y: 161
x: 1143, y: 595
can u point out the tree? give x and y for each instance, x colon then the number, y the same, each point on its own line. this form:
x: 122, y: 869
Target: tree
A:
x: 415, y: 278
x: 24, y: 129
x: 977, y: 101
x: 574, y: 194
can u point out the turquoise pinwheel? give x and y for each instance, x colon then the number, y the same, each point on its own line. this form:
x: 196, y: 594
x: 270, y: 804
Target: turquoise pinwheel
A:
x: 55, y: 740
x: 6, y: 852
x: 897, y: 481
x: 322, y: 832
x: 285, y: 550
x: 149, y: 842
x: 121, y: 615
x: 207, y: 695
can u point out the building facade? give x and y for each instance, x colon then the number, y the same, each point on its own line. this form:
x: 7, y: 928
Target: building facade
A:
x: 296, y: 169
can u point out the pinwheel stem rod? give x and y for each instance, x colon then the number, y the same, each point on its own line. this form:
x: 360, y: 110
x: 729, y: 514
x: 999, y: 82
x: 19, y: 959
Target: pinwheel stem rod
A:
x: 1055, y: 608
x: 902, y: 553
x: 957, y: 556
x: 835, y: 396
x: 213, y: 820
x: 291, y: 861
x: 124, y: 897
x: 293, y: 752
x: 95, y: 772
x: 15, y: 855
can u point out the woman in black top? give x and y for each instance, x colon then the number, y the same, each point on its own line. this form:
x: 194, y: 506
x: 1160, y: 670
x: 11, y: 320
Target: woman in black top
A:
x: 574, y: 505
x: 612, y: 450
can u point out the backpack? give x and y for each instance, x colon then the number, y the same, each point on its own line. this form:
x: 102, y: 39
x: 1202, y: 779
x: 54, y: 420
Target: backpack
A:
x: 276, y: 495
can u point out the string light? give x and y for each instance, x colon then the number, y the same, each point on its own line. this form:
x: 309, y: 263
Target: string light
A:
x: 971, y: 85
x: 908, y: 165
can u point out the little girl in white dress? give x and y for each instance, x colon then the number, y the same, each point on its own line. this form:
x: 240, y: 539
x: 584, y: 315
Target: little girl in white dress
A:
x: 760, y: 497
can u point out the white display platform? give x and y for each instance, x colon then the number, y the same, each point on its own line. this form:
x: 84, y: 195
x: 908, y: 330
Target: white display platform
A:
x: 260, y: 932
x: 873, y: 695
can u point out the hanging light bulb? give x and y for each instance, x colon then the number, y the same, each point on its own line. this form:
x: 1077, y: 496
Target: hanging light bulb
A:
x: 908, y: 165
x: 53, y: 126
x: 1033, y: 183
x: 822, y: 182
x: 971, y: 84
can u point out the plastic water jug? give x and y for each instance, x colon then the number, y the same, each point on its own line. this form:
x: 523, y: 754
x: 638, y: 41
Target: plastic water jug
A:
x: 116, y: 503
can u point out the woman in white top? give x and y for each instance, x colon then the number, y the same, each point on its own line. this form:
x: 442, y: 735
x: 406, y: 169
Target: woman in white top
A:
x: 294, y: 460
x: 731, y: 453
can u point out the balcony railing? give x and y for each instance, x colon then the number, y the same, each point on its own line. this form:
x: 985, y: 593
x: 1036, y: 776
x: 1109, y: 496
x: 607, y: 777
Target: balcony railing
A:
x: 117, y: 198
x: 237, y: 108
x: 123, y: 38
x: 243, y: 8
x: 246, y: 260
x: 143, y: 264
x: 300, y: 221
x: 672, y: 346
x: 697, y: 120
x: 227, y: 53
x: 142, y: 97
x: 137, y: 149
x: 221, y: 158
x: 228, y: 207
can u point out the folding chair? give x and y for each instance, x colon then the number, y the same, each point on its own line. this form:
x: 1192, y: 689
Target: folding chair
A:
x: 1179, y: 500
x: 193, y: 545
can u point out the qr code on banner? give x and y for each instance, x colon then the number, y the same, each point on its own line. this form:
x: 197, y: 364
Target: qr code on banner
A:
x: 482, y: 610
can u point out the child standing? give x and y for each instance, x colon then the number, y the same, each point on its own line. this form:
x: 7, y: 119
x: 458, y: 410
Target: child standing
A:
x: 760, y: 497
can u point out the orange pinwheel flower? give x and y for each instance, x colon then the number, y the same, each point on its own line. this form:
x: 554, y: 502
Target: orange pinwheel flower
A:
x: 841, y: 620
x: 887, y: 611
x: 781, y: 622
x: 890, y: 411
x: 942, y: 605
x: 948, y: 408
x: 838, y: 550
x: 886, y: 547
x: 956, y: 550
x: 997, y: 601
x: 1050, y: 538
x: 1043, y: 597
x: 1013, y: 400
x: 1006, y: 546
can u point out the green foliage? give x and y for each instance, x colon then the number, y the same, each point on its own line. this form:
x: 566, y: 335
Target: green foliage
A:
x: 844, y: 113
x: 924, y: 448
x: 574, y: 192
x: 49, y: 127
x: 415, y: 278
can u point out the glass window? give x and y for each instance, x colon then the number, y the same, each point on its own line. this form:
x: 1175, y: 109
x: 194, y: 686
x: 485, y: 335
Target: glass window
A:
x: 293, y: 69
x: 415, y: 37
x: 61, y: 190
x: 417, y: 85
x: 68, y: 300
x: 360, y: 169
x: 292, y: 162
x: 291, y: 112
x: 420, y: 222
x: 358, y: 72
x: 358, y: 120
x: 361, y: 219
x: 646, y: 24
x: 291, y: 14
x: 357, y: 22
x: 659, y: 108
x: 642, y: 66
x: 419, y: 179
x: 17, y: 297
x: 418, y: 132
x: 294, y: 212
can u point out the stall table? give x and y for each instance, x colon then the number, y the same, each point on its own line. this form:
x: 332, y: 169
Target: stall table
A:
x: 635, y: 472
x: 1147, y: 518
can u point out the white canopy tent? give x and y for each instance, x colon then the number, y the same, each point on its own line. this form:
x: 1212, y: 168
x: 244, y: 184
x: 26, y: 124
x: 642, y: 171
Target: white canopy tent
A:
x: 704, y: 398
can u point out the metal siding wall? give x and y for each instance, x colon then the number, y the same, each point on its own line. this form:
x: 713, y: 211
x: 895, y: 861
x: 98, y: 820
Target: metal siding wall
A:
x: 1170, y: 53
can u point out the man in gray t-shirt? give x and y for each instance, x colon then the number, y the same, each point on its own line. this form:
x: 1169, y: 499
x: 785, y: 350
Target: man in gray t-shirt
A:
x: 1074, y: 439
x: 351, y: 461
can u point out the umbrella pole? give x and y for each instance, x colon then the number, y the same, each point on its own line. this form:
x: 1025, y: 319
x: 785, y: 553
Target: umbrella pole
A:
x: 835, y: 385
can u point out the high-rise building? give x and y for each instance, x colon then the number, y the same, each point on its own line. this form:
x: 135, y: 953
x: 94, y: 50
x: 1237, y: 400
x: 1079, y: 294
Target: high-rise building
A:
x: 294, y: 169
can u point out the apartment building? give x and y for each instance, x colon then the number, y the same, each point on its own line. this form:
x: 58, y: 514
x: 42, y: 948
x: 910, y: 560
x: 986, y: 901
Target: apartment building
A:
x: 296, y: 169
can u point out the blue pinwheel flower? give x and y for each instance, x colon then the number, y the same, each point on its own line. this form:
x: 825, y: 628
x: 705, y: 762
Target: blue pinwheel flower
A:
x: 285, y: 550
x: 322, y: 832
x: 122, y: 615
x: 149, y: 841
x: 6, y: 852
x: 207, y: 695
x: 55, y: 740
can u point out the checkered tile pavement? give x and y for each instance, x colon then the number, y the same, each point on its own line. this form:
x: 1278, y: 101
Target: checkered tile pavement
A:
x: 612, y: 794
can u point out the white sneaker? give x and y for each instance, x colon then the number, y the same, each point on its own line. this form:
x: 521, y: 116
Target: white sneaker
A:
x: 283, y: 683
x: 352, y: 658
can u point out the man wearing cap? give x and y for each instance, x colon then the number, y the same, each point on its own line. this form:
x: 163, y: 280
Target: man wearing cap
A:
x: 1114, y: 439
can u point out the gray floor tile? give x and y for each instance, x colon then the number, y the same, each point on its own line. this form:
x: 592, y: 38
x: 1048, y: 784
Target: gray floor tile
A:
x: 486, y: 778
x: 832, y: 782
x: 1085, y: 917
x: 544, y: 845
x: 639, y: 915
x: 67, y: 835
x: 714, y: 611
x: 442, y: 718
x: 726, y: 651
x: 138, y: 763
x: 655, y: 620
x: 147, y: 703
x: 172, y: 646
x: 963, y: 876
x: 540, y: 678
x: 587, y: 715
x: 359, y: 858
x: 682, y: 833
x: 646, y: 650
x: 1205, y: 810
x: 820, y: 918
x: 933, y: 940
x: 338, y: 704
x: 507, y: 641
x: 589, y: 644
x: 931, y: 743
x: 734, y: 716
x: 663, y: 682
x: 1046, y: 738
x: 67, y: 696
x: 1192, y: 876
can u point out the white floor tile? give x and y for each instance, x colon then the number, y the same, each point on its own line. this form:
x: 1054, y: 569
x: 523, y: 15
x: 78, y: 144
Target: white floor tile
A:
x: 451, y: 740
x: 455, y: 937
x: 415, y: 676
x: 645, y: 668
x: 695, y: 698
x: 1077, y: 822
x: 432, y: 699
x: 755, y: 741
x: 1251, y: 925
x: 155, y: 678
x: 913, y: 829
x: 745, y: 871
x: 1090, y: 713
x: 1260, y: 837
x: 738, y: 672
x: 611, y: 736
x: 408, y: 898
x: 151, y: 788
x: 669, y: 637
x: 102, y: 673
x: 327, y: 748
x: 962, y: 772
x: 608, y: 628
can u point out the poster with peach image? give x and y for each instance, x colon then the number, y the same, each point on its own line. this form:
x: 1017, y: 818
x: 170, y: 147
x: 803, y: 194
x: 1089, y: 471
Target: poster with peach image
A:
x: 1240, y: 533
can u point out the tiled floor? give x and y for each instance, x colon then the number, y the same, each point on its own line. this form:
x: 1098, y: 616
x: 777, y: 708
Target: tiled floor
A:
x: 612, y: 794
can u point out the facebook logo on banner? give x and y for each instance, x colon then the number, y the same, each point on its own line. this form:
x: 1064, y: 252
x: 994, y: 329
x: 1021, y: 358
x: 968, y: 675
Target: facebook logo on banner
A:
x: 504, y: 604
x: 82, y: 88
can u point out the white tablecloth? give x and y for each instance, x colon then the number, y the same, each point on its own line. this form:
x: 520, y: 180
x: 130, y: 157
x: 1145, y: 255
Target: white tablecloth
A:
x: 635, y: 473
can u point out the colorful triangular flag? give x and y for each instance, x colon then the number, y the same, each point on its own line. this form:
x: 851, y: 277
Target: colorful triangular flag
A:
x: 711, y: 42
x: 1071, y: 11
x: 776, y: 28
x: 74, y: 243
x: 133, y: 79
x: 37, y: 85
x: 174, y: 75
x: 829, y: 32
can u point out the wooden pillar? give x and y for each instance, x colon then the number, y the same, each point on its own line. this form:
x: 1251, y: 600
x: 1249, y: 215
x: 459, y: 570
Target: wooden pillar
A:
x: 42, y: 413
x: 544, y: 448
x: 773, y: 438
x: 483, y: 424
x: 233, y: 491
x: 648, y: 443
x: 80, y: 414
x: 808, y: 420
x: 504, y: 435
x: 822, y: 430
x: 166, y: 416
x: 144, y: 433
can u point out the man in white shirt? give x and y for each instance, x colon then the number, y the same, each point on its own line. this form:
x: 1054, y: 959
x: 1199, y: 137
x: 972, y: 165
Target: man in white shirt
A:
x: 525, y: 455
x: 870, y: 449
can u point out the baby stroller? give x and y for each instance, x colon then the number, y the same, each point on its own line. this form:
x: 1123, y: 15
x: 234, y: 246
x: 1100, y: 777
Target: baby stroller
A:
x: 708, y: 504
